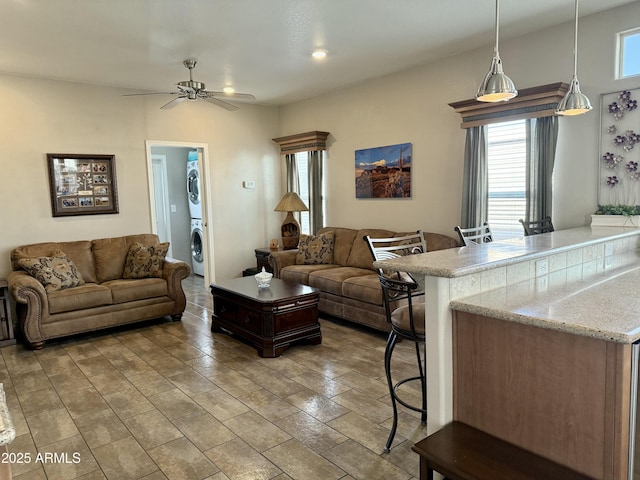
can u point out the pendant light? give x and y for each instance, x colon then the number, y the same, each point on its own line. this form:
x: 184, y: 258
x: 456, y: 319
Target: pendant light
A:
x: 496, y: 86
x: 574, y: 102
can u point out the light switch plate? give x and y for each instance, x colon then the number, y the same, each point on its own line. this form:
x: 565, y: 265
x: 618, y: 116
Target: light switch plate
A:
x: 249, y: 184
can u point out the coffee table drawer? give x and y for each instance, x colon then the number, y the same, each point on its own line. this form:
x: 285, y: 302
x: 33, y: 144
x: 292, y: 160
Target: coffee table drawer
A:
x: 240, y: 316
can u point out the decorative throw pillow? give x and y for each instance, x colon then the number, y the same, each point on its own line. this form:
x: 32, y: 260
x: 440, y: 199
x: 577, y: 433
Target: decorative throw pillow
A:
x: 315, y: 249
x: 54, y: 273
x: 145, y: 262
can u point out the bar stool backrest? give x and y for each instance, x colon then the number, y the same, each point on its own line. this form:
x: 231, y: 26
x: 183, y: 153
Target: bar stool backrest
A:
x: 475, y: 235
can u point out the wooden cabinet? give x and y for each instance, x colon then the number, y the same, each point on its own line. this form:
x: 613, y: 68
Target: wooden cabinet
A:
x: 565, y: 397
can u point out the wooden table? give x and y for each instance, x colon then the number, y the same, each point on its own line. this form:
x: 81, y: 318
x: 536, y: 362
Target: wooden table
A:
x: 464, y: 453
x: 268, y: 318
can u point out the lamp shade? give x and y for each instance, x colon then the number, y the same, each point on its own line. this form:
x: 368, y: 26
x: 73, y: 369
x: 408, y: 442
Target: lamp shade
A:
x: 496, y: 86
x: 291, y: 202
x: 574, y: 102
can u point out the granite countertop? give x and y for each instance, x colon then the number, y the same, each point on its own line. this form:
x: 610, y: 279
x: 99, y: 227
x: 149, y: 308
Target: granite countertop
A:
x: 604, y: 306
x: 456, y: 262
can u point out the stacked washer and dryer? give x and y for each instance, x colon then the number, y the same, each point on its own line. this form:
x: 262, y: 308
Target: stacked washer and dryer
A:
x: 195, y: 210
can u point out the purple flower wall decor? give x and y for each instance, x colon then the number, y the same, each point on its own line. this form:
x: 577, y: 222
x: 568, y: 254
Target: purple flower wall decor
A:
x: 620, y: 158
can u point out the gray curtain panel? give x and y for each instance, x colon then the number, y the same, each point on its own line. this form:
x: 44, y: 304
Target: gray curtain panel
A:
x: 475, y: 189
x: 293, y: 181
x: 542, y: 136
x: 316, y: 211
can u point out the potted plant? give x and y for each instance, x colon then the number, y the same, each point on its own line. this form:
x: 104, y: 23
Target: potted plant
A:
x: 620, y: 164
x: 616, y: 216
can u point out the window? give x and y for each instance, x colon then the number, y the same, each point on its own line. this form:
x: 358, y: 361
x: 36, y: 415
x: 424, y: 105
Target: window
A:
x: 507, y: 159
x: 629, y: 53
x: 302, y: 163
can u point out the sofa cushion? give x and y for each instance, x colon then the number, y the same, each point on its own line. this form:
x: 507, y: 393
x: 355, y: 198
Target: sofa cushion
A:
x: 111, y: 253
x: 54, y: 273
x: 123, y: 291
x: 145, y: 262
x: 300, y: 273
x: 331, y: 279
x: 78, y: 252
x: 342, y: 243
x: 365, y: 288
x: 315, y: 249
x: 89, y: 295
x: 437, y: 241
x: 360, y: 255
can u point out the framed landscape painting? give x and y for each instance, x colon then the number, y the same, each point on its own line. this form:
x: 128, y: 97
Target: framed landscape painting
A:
x: 384, y: 172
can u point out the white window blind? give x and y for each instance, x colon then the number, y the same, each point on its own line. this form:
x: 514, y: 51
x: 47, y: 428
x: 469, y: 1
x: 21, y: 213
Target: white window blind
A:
x: 507, y: 157
x: 302, y: 161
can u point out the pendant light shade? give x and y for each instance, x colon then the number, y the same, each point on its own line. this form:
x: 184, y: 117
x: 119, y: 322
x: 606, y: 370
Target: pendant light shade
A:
x: 496, y: 86
x: 574, y: 102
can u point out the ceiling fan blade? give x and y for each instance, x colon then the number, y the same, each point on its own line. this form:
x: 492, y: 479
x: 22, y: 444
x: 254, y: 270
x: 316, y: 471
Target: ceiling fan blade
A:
x: 174, y: 102
x: 150, y: 93
x: 239, y: 96
x: 220, y: 103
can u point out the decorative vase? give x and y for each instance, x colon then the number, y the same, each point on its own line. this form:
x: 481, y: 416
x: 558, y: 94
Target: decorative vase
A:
x: 615, y: 221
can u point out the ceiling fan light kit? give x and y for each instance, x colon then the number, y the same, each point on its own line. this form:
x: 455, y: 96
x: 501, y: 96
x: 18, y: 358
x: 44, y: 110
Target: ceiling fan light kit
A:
x: 193, y: 90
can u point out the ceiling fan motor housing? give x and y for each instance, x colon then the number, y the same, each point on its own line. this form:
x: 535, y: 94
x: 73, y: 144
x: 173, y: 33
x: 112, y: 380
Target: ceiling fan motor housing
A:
x: 191, y: 84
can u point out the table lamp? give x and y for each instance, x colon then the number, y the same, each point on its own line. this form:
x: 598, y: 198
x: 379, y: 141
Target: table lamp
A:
x: 290, y: 229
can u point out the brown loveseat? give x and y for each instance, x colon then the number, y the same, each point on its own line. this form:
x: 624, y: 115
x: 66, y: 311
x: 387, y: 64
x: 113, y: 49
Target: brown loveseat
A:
x: 349, y: 285
x: 103, y: 298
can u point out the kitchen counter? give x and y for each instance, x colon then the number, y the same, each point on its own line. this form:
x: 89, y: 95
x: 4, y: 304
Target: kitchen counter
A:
x: 457, y: 262
x: 603, y: 306
x: 580, y: 280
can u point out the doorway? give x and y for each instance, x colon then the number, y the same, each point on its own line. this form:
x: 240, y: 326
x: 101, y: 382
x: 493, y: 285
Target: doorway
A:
x: 161, y: 200
x: 171, y: 208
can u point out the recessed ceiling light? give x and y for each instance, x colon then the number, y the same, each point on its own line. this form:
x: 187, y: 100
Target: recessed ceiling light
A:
x: 319, y: 54
x: 228, y: 89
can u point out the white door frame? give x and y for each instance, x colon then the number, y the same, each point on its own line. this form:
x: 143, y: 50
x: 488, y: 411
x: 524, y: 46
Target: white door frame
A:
x: 205, y: 190
x: 162, y: 161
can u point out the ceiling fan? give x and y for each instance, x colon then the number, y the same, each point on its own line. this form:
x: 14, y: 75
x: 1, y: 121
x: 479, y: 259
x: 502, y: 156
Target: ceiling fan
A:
x: 192, y: 90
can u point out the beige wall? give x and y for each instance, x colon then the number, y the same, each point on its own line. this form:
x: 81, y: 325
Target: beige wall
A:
x: 41, y: 116
x: 412, y: 106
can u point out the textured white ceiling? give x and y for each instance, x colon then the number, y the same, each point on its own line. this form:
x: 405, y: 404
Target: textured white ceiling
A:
x: 260, y: 46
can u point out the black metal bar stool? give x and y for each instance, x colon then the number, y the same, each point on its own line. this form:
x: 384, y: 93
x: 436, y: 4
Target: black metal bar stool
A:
x: 406, y: 318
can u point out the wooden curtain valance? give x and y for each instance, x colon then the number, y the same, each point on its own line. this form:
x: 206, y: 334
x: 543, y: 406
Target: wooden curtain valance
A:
x: 531, y: 102
x: 302, y: 142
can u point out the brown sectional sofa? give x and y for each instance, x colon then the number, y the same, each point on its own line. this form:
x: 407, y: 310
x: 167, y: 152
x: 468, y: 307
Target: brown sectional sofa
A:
x: 349, y: 287
x: 106, y: 299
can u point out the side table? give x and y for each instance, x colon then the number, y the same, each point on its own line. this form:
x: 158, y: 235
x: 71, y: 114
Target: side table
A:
x: 7, y: 336
x: 262, y: 260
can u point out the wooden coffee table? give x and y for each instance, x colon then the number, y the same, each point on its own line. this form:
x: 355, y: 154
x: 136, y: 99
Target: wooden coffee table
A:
x: 268, y: 318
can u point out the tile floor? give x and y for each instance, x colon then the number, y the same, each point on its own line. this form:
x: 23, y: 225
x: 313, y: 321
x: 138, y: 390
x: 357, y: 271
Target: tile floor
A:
x: 174, y: 401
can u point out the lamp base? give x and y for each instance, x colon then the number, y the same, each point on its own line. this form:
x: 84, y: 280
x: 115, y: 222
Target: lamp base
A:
x: 290, y: 231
